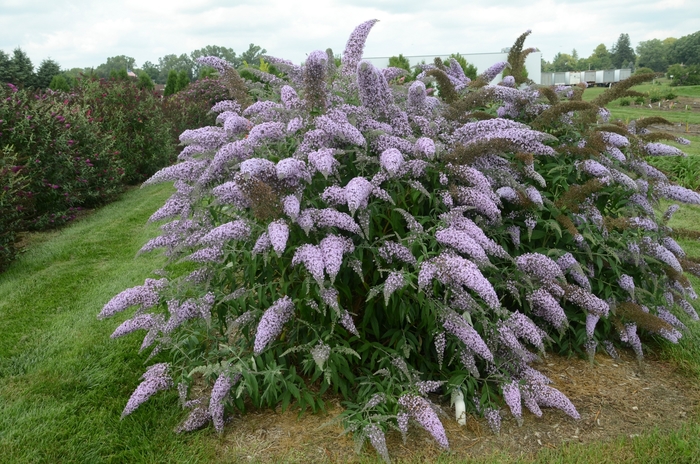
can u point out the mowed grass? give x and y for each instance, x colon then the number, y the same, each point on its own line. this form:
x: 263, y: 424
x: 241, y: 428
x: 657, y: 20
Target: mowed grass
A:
x: 63, y: 381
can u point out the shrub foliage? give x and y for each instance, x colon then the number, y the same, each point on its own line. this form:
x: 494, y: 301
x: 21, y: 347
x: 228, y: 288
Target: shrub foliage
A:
x: 368, y: 239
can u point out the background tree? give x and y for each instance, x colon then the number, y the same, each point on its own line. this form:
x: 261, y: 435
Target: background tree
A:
x: 400, y: 62
x: 151, y: 69
x: 175, y: 63
x: 115, y: 63
x: 21, y: 69
x: 182, y: 80
x: 46, y: 72
x: 685, y: 50
x: 5, y: 74
x: 621, y: 53
x: 652, y: 54
x: 600, y: 59
x: 171, y: 84
x: 145, y: 82
x: 563, y: 62
x: 250, y: 56
x: 59, y: 82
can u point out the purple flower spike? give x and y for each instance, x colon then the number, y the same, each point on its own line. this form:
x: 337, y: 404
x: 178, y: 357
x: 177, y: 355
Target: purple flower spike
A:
x: 312, y: 258
x: 392, y: 161
x: 278, y: 231
x: 420, y: 409
x: 221, y: 388
x: 333, y: 247
x: 355, y: 46
x: 272, y: 322
x: 357, y: 192
x: 156, y: 378
x: 376, y: 437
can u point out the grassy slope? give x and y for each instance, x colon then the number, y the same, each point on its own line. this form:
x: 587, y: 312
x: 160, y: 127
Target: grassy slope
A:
x: 63, y: 381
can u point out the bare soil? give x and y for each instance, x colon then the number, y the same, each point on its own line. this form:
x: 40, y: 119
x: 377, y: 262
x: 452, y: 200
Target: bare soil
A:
x: 614, y: 398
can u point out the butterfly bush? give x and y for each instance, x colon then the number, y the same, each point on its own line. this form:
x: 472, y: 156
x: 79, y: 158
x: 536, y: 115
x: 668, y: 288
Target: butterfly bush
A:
x: 364, y: 238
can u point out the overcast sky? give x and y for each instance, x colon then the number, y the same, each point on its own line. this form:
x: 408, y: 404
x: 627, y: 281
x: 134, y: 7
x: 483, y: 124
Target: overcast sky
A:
x: 84, y: 33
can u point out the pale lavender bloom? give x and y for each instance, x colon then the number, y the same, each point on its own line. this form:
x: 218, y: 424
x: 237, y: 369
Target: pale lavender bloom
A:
x: 395, y: 281
x: 329, y: 217
x: 462, y: 242
x: 402, y: 423
x: 493, y: 418
x: 334, y: 195
x: 174, y: 206
x: 209, y: 137
x: 323, y: 161
x: 535, y: 196
x: 385, y: 142
x: 293, y: 170
x: 678, y: 193
x: 673, y: 246
x: 440, y: 344
x: 207, y: 255
x: 266, y: 131
x: 469, y: 363
x: 231, y: 193
x: 138, y: 322
x: 662, y: 254
x: 527, y: 140
x: 616, y: 140
x: 234, y: 230
x: 474, y: 177
x: 392, y: 161
x: 190, y: 151
x: 524, y: 328
x: 198, y: 418
x: 508, y: 193
x: 347, y: 322
x: 333, y: 247
x: 392, y: 250
x: 514, y: 232
x: 629, y: 335
x: 553, y: 398
x: 306, y: 219
x: 215, y: 62
x: 278, y: 231
x: 670, y: 212
x: 258, y: 167
x: 593, y: 168
x: 353, y: 49
x: 539, y: 266
x: 425, y: 148
x: 221, y: 389
x: 291, y: 206
x: 313, y: 140
x: 392, y: 73
x: 616, y: 154
x: 272, y: 322
x: 661, y: 149
x: 508, y: 81
x: 289, y: 97
x: 235, y: 151
x: 145, y: 295
x: 508, y: 339
x: 262, y: 244
x: 643, y: 223
x: 688, y: 308
x: 336, y: 125
x: 376, y: 437
x: 443, y: 179
x: 627, y: 284
x: 587, y: 301
x: 295, y: 125
x: 187, y: 171
x: 160, y: 242
x: 429, y: 386
x: 481, y: 202
x: 320, y: 353
x: 357, y: 192
x: 375, y: 93
x: 457, y: 326
x: 455, y: 271
x: 376, y: 399
x: 422, y: 412
x: 312, y: 258
x: 528, y: 397
x: 667, y: 316
x: 643, y: 202
x: 496, y: 69
x: 264, y: 110
x: 156, y: 378
x: 511, y: 395
x: 226, y: 105
x: 417, y: 95
x: 591, y: 321
x: 478, y: 129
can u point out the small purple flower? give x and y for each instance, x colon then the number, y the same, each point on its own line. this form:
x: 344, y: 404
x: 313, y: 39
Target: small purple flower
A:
x: 272, y: 322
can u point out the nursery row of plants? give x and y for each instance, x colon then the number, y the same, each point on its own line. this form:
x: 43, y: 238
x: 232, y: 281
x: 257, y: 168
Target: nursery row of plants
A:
x: 62, y: 152
x: 349, y: 232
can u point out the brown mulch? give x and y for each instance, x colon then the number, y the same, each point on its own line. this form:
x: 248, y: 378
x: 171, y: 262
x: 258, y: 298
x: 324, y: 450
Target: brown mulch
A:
x: 614, y: 398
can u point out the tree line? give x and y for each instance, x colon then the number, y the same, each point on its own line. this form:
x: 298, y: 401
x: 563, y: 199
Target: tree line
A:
x: 655, y: 54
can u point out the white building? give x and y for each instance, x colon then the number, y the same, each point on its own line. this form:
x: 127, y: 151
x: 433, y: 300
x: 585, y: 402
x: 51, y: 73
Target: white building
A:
x: 482, y: 61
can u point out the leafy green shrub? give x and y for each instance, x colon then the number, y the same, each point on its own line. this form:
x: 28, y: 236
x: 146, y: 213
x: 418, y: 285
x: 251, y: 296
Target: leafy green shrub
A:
x: 67, y: 159
x: 400, y: 62
x: 639, y: 100
x: 171, y: 83
x: 625, y: 101
x: 13, y: 182
x: 59, y: 82
x: 191, y: 108
x: 400, y: 250
x: 133, y: 118
x: 644, y: 71
x: 684, y: 75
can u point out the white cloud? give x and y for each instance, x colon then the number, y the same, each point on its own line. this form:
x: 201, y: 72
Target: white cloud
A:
x: 83, y: 33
